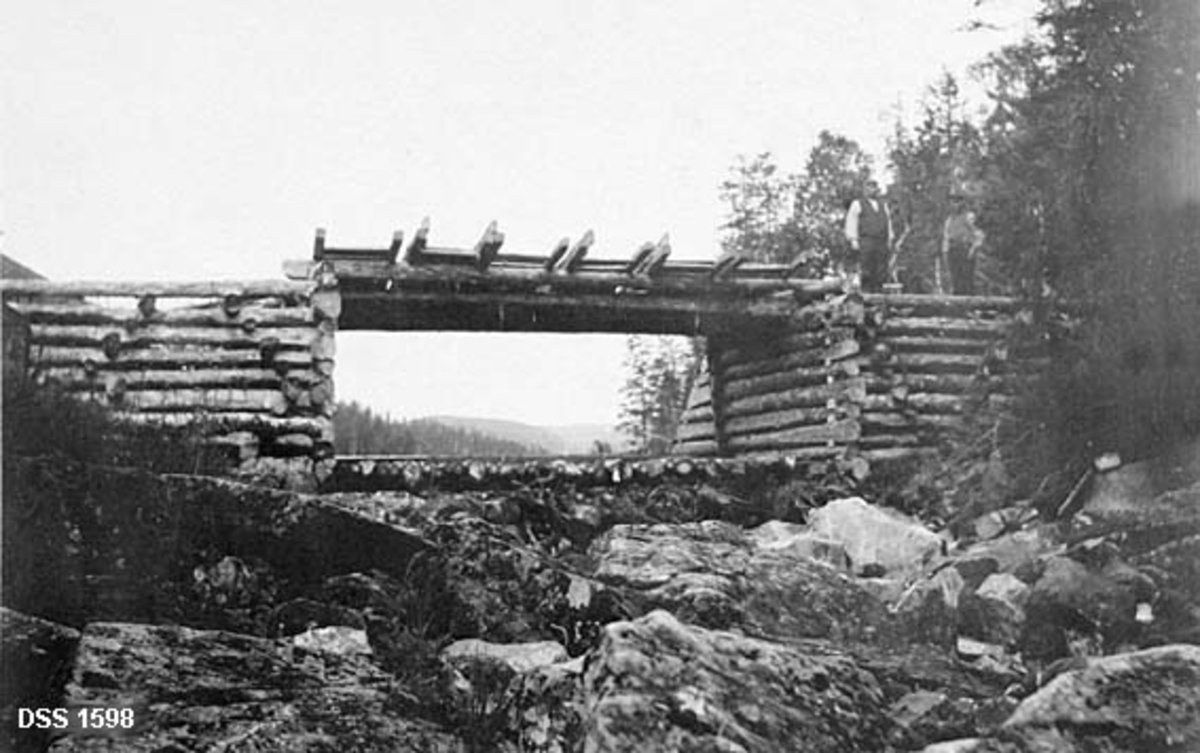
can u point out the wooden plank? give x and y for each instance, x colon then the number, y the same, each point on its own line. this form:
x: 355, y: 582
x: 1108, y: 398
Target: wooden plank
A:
x: 87, y: 335
x: 571, y: 260
x: 319, y: 245
x: 251, y: 289
x: 639, y: 257
x: 853, y: 390
x: 653, y: 264
x: 726, y: 265
x: 212, y: 316
x: 393, y: 251
x: 163, y: 356
x: 416, y: 247
x: 559, y: 250
x: 488, y: 247
x: 837, y: 432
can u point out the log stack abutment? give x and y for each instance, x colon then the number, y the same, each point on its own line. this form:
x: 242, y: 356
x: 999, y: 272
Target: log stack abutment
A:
x: 858, y: 378
x: 247, y: 364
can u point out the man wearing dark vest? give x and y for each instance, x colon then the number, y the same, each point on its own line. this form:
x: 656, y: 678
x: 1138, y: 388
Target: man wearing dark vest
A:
x: 869, y: 231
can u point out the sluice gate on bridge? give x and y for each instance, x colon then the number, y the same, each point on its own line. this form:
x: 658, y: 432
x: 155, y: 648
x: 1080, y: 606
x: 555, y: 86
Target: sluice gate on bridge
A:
x: 797, y: 370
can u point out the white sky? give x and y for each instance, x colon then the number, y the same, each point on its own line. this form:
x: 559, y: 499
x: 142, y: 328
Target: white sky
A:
x: 171, y: 140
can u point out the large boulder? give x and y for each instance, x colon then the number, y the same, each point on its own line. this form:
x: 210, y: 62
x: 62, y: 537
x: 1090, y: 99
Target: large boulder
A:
x: 658, y: 684
x: 35, y: 662
x: 714, y: 575
x: 1071, y: 603
x: 1147, y: 700
x: 213, y: 690
x: 995, y: 612
x: 875, y: 537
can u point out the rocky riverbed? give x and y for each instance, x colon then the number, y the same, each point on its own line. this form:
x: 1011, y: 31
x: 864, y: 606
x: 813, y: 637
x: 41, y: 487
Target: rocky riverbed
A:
x: 668, y: 616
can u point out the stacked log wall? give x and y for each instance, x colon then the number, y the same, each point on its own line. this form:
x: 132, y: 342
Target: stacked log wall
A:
x: 877, y: 377
x: 250, y: 369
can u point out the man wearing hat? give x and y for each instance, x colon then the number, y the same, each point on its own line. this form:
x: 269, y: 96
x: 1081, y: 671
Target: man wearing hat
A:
x: 961, y: 240
x: 869, y: 231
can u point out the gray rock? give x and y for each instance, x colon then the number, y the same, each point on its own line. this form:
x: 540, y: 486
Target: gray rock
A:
x: 995, y: 612
x: 1126, y: 703
x: 518, y: 657
x: 212, y: 690
x: 658, y: 684
x: 877, y: 536
x: 35, y: 662
x: 712, y: 574
x: 798, y: 539
x: 928, y: 610
x: 1072, y: 603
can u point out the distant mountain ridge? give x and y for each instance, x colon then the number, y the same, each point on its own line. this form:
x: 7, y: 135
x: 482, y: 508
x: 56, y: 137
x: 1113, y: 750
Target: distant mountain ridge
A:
x: 567, y: 439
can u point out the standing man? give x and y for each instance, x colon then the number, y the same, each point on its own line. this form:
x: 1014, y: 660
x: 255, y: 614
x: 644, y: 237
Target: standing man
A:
x: 869, y: 231
x: 961, y: 239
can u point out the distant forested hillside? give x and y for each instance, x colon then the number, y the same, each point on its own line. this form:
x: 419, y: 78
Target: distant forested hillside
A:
x: 360, y: 431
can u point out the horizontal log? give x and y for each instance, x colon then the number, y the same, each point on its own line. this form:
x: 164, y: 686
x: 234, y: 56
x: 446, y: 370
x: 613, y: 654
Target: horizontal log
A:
x: 690, y: 432
x: 925, y: 326
x: 884, y: 422
x: 200, y: 401
x: 835, y: 352
x: 83, y: 378
x: 260, y: 424
x: 206, y: 316
x: 870, y: 442
x: 927, y: 363
x: 771, y: 457
x: 911, y: 344
x: 445, y: 270
x: 699, y: 396
x: 898, y: 453
x: 846, y: 390
x: 784, y: 419
x: 943, y: 303
x: 776, y: 345
x: 945, y: 384
x: 628, y: 312
x: 252, y: 289
x: 922, y: 402
x: 697, y: 448
x: 286, y: 337
x: 697, y: 415
x: 450, y: 264
x: 163, y: 356
x: 792, y: 378
x: 838, y: 432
